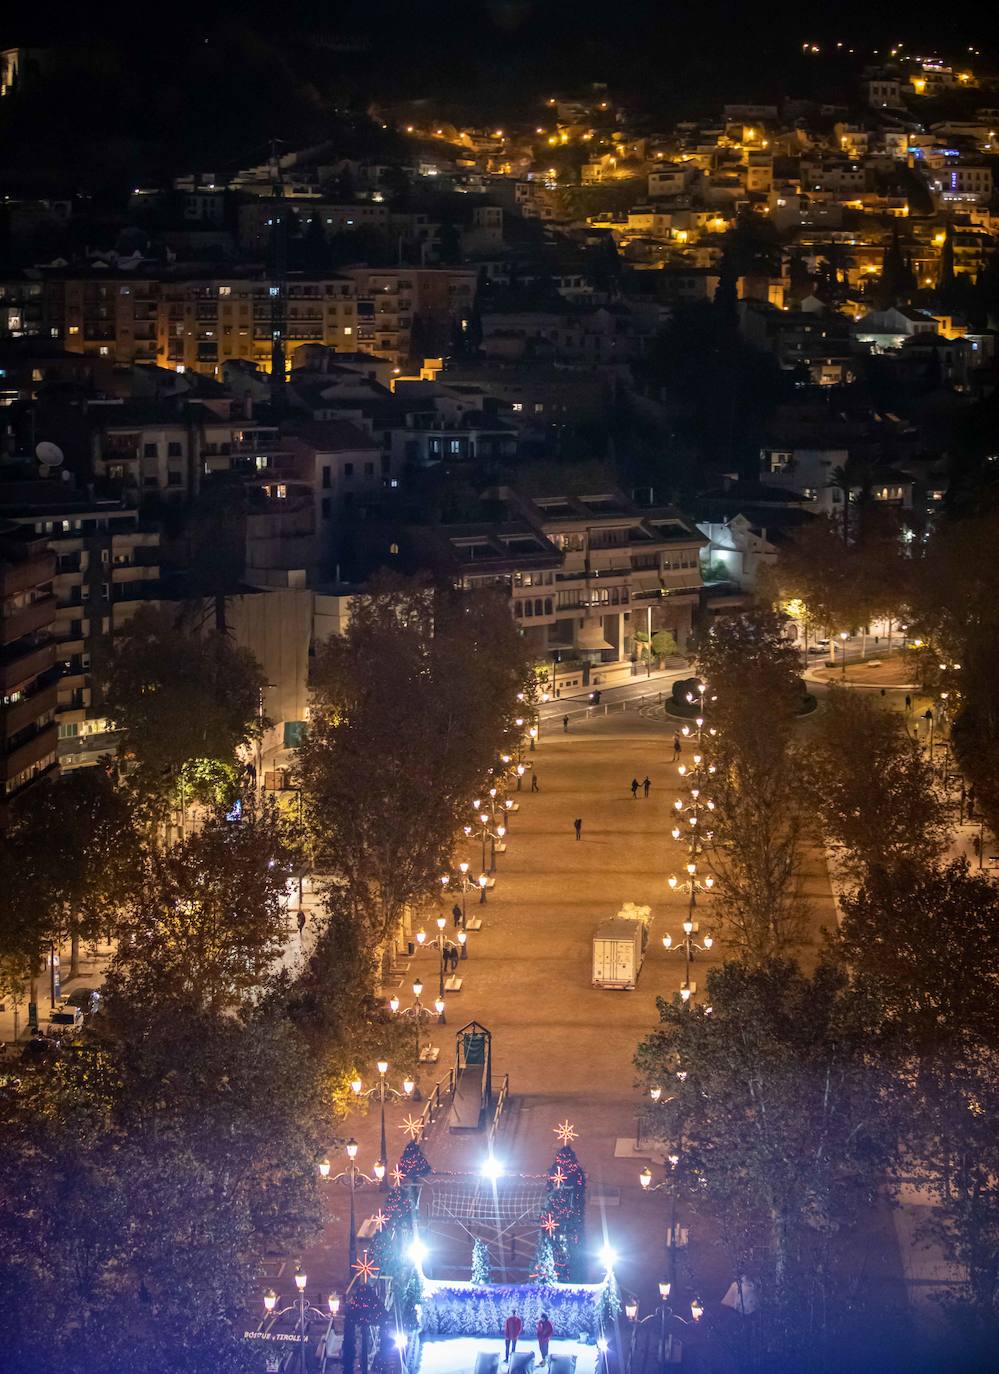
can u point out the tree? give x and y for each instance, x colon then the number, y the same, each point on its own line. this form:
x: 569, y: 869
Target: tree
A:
x: 754, y: 690
x: 74, y: 859
x: 209, y: 921
x: 482, y: 1271
x: 421, y: 674
x: 545, y: 1271
x: 929, y: 937
x: 958, y: 1162
x: 142, y: 1175
x: 777, y: 1107
x: 956, y: 609
x: 177, y: 697
x: 871, y: 787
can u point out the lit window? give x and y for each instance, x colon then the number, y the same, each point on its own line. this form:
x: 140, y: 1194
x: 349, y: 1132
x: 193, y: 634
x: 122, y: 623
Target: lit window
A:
x: 225, y: 290
x: 347, y: 329
x: 104, y: 350
x: 74, y: 329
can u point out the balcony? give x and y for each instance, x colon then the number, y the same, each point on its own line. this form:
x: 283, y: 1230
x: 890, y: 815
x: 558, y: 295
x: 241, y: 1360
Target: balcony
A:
x: 27, y: 620
x: 19, y: 669
x: 21, y: 577
x: 15, y: 717
x: 31, y: 752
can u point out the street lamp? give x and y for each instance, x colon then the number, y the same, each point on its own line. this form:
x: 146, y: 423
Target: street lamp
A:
x: 843, y: 636
x: 352, y: 1173
x: 415, y: 1011
x: 687, y: 945
x: 441, y: 942
x: 483, y: 886
x: 301, y: 1306
x: 674, y: 1238
x: 382, y: 1089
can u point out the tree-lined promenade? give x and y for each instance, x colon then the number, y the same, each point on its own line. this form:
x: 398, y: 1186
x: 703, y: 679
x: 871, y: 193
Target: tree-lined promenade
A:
x: 150, y: 1163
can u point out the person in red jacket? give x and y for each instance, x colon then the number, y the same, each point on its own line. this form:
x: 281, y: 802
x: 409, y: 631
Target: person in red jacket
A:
x: 512, y: 1328
x: 545, y: 1333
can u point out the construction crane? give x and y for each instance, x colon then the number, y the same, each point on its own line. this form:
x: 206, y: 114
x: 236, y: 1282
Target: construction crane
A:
x: 279, y: 278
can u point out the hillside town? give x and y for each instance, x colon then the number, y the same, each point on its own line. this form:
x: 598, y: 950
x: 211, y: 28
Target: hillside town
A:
x: 534, y: 545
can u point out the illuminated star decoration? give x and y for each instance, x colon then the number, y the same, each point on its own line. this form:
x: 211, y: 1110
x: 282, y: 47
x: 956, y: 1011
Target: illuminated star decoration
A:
x: 365, y: 1268
x: 549, y: 1224
x: 565, y: 1131
x: 380, y: 1219
x: 558, y: 1177
x: 397, y: 1176
x: 412, y: 1126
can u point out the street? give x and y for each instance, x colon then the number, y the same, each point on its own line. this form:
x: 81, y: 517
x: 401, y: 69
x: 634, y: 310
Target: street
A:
x: 567, y: 1047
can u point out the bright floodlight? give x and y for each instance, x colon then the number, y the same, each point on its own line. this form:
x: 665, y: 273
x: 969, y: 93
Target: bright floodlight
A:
x: 417, y: 1251
x: 400, y: 1340
x: 602, y: 1344
x: 492, y: 1168
x: 608, y: 1257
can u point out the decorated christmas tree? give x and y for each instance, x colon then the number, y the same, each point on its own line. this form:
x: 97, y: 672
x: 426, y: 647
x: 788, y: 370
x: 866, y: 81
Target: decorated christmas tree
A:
x: 545, y: 1270
x: 482, y: 1272
x: 413, y: 1165
x: 564, y: 1207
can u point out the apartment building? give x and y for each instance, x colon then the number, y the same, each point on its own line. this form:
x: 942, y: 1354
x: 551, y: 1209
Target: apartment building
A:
x: 583, y: 574
x: 168, y: 448
x: 188, y: 324
x: 962, y: 183
x: 256, y: 219
x: 106, y: 566
x: 28, y: 672
x: 205, y: 324
x: 388, y: 300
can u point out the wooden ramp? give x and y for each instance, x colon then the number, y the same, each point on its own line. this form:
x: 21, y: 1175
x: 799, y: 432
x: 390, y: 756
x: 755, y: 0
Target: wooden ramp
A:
x: 473, y: 1078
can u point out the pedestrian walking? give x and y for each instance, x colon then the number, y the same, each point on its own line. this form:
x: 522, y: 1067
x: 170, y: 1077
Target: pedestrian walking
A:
x: 908, y: 703
x: 646, y: 784
x: 512, y: 1328
x: 976, y: 844
x: 535, y: 785
x: 579, y: 829
x: 545, y: 1332
x: 456, y: 915
x: 677, y: 747
x: 301, y: 921
x: 634, y: 788
x: 565, y: 725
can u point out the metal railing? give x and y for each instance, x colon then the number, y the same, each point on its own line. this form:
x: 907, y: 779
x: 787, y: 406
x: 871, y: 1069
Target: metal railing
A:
x: 436, y: 1100
x: 502, y: 1097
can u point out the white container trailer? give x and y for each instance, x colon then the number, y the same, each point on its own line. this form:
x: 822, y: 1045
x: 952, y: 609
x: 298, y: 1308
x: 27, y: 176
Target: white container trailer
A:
x: 619, y: 948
